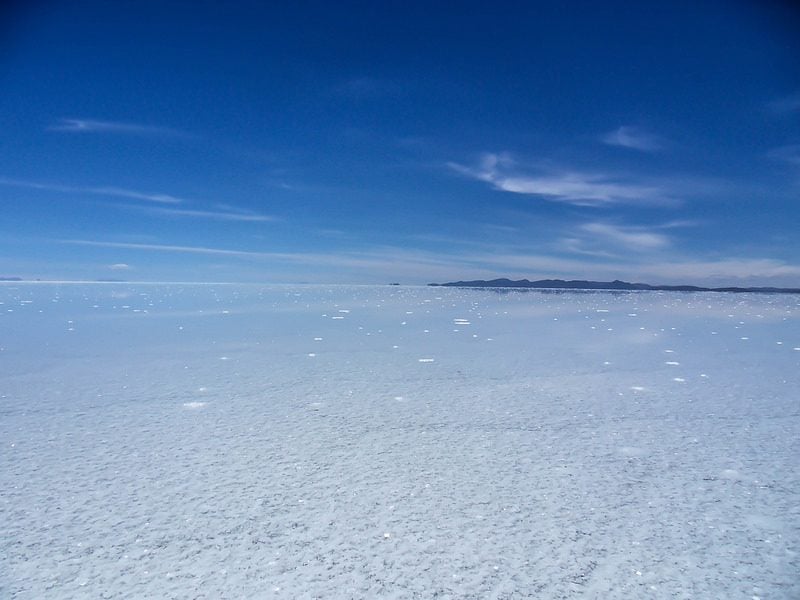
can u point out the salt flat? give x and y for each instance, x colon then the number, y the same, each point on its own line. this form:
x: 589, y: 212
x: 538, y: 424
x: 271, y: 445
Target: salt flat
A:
x: 242, y: 441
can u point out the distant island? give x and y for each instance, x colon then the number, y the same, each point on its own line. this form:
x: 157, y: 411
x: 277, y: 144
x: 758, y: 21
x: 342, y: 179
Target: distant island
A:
x: 560, y: 284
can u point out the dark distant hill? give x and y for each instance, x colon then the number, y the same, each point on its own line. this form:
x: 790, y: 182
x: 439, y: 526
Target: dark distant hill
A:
x: 560, y: 284
x: 10, y: 278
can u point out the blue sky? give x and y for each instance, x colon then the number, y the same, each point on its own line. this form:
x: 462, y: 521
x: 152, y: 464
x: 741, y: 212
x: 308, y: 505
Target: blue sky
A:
x: 373, y: 142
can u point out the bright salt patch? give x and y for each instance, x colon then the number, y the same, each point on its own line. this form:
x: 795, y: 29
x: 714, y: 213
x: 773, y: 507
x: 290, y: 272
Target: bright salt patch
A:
x: 730, y: 474
x: 426, y: 360
x: 194, y: 404
x: 631, y: 451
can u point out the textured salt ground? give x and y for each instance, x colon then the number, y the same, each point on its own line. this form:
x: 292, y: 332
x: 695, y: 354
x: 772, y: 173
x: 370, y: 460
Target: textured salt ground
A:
x: 559, y: 459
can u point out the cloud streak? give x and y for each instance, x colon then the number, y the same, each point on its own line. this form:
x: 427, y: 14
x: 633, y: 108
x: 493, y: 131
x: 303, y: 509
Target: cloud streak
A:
x: 115, y: 127
x: 97, y: 191
x: 729, y: 269
x: 570, y: 186
x: 227, y: 213
x: 217, y: 215
x: 633, y: 138
x: 166, y: 248
x: 631, y: 238
x: 436, y: 266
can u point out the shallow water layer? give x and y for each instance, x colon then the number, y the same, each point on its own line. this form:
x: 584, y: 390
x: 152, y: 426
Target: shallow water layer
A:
x: 226, y: 441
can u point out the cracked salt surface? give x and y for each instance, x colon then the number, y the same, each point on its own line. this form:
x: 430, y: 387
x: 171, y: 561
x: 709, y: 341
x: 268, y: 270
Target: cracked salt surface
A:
x: 561, y: 460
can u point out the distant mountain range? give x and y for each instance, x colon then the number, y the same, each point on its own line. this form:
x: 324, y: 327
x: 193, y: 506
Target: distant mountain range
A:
x: 560, y: 284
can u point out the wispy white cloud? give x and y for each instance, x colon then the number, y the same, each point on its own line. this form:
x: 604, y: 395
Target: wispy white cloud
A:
x: 225, y: 213
x: 522, y: 264
x: 217, y: 215
x: 342, y: 258
x: 632, y: 238
x: 633, y: 138
x: 571, y: 186
x: 99, y: 126
x: 676, y: 224
x: 577, y: 245
x: 421, y: 266
x: 170, y: 248
x: 123, y: 193
x: 616, y: 241
x: 166, y: 248
x: 374, y: 264
x: 98, y: 191
x: 119, y: 267
x: 726, y: 270
x: 388, y: 259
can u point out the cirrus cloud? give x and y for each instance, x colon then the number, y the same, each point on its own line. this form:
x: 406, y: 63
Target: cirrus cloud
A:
x: 419, y: 266
x: 98, y: 191
x: 119, y: 127
x: 633, y: 138
x: 633, y: 238
x: 567, y: 185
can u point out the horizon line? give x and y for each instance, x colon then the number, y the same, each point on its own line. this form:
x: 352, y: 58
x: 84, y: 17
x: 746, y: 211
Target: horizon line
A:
x: 451, y: 284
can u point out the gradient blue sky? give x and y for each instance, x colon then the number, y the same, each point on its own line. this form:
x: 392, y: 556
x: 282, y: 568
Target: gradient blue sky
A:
x: 372, y: 142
